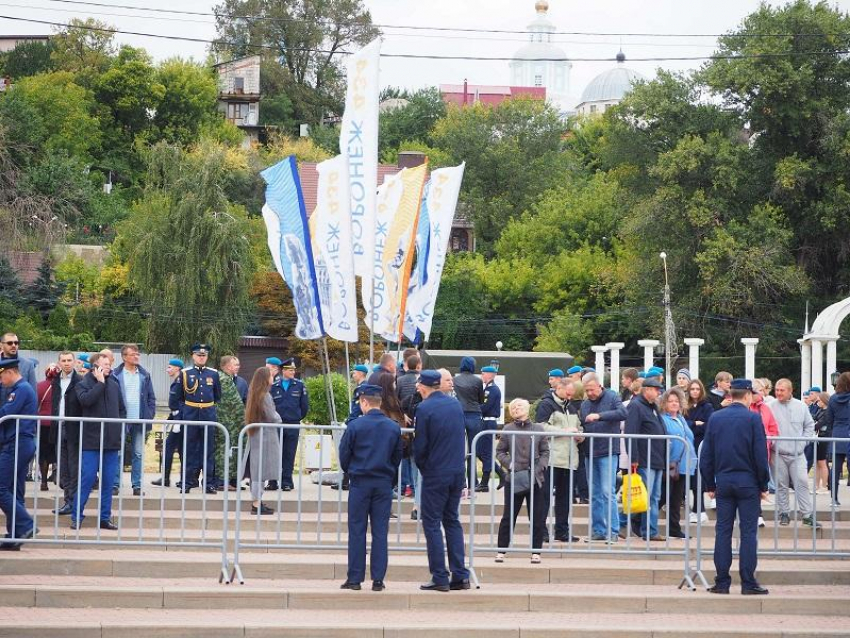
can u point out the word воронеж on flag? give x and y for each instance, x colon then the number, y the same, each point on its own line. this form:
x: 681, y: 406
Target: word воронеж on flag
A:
x: 289, y: 243
x: 374, y: 289
x: 441, y: 204
x: 358, y: 141
x: 330, y: 231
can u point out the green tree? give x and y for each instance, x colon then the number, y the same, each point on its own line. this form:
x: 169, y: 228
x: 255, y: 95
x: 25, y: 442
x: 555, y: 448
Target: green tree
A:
x: 85, y: 47
x: 28, y: 58
x: 130, y: 91
x: 10, y: 291
x: 44, y: 293
x: 412, y: 122
x: 307, y: 37
x: 188, y: 102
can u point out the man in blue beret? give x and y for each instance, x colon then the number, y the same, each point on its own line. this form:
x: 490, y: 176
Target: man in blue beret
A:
x: 490, y: 413
x: 358, y: 377
x: 274, y: 364
x: 438, y: 448
x: 369, y: 454
x: 17, y: 448
x: 733, y: 464
x: 555, y: 375
x: 292, y: 404
x: 174, y: 440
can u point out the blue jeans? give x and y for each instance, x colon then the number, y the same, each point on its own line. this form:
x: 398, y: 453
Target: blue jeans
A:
x: 604, y: 518
x: 137, y: 444
x: 90, y: 467
x: 652, y: 479
x: 12, y: 494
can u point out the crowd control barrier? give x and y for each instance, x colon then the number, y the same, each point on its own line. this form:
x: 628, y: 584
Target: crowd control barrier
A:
x: 133, y: 529
x: 617, y: 444
x: 796, y: 539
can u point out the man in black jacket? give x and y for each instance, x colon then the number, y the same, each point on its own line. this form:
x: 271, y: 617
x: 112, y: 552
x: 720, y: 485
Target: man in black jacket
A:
x: 642, y: 417
x: 65, y: 403
x: 100, y: 396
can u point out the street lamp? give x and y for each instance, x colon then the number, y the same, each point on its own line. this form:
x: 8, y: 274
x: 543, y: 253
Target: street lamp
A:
x: 668, y: 323
x: 499, y: 345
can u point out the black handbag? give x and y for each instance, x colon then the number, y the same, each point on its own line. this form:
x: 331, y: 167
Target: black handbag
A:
x: 521, y: 481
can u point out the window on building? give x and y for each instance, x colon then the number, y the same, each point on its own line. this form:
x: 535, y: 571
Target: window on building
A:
x: 238, y: 85
x: 236, y: 111
x: 593, y: 108
x: 459, y: 240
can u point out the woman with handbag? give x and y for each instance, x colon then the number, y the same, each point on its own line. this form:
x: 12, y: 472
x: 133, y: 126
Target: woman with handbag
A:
x: 526, y: 458
x: 682, y: 457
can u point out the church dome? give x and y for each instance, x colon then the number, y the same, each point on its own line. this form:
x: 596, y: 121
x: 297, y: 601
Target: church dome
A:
x: 611, y: 85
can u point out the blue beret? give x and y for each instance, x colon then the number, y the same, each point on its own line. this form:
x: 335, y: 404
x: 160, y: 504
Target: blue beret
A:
x: 574, y: 370
x: 83, y: 356
x: 360, y: 368
x: 742, y: 384
x: 492, y: 369
x: 430, y: 378
x: 274, y: 361
x: 8, y: 364
x: 366, y: 390
x: 815, y: 389
x: 655, y: 371
x: 376, y: 367
x: 177, y: 363
x: 642, y: 374
x: 201, y: 348
x: 557, y: 372
x: 288, y: 363
x: 86, y: 366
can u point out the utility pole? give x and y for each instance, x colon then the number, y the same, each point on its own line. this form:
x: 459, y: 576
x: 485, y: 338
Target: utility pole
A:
x: 668, y: 325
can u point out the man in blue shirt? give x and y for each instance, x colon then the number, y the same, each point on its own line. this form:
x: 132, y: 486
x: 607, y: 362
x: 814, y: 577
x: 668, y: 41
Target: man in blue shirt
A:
x: 292, y: 404
x: 369, y: 454
x: 733, y: 463
x: 16, y: 438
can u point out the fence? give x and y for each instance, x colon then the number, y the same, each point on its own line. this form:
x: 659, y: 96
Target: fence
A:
x: 799, y: 547
x: 602, y: 497
x: 70, y: 438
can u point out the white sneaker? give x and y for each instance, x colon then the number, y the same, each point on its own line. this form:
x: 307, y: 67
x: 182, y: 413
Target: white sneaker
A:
x: 500, y: 557
x: 703, y: 517
x: 693, y: 518
x: 712, y: 504
x: 535, y: 559
x: 761, y: 521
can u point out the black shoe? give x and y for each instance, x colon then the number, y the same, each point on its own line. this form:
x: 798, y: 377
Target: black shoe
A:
x: 10, y: 547
x: 137, y: 491
x: 349, y: 585
x: 718, y: 590
x: 482, y: 487
x: 414, y: 515
x: 272, y: 485
x: 457, y: 585
x: 115, y: 491
x: 432, y: 586
x: 287, y: 488
x: 160, y: 483
x: 501, y: 483
x: 569, y: 539
x: 263, y: 510
x: 75, y: 524
x: 378, y: 585
x: 336, y: 486
x: 64, y: 510
x: 758, y: 590
x: 211, y: 490
x: 676, y: 535
x: 107, y: 524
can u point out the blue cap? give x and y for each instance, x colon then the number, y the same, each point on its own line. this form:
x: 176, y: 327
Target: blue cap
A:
x: 642, y: 374
x: 492, y: 369
x: 742, y: 384
x: 430, y: 378
x: 201, y: 348
x: 557, y: 372
x: 655, y: 371
x: 83, y: 356
x: 86, y: 366
x: 177, y: 363
x: 815, y: 389
x: 8, y: 364
x: 360, y: 368
x: 274, y: 361
x: 288, y: 363
x: 574, y: 370
x: 367, y: 390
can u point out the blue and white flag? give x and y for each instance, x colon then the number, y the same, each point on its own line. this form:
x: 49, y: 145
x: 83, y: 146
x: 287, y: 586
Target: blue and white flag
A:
x: 289, y: 243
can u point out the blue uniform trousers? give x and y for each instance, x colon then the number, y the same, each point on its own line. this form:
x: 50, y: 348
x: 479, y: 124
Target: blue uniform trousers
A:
x: 472, y: 420
x: 288, y: 448
x: 89, y: 469
x: 173, y: 443
x: 484, y: 451
x: 746, y: 501
x: 11, y: 495
x: 440, y: 501
x: 195, y: 451
x: 372, y: 501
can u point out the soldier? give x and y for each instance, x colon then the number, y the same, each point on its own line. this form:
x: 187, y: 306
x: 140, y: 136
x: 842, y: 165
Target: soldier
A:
x: 17, y: 443
x: 369, y: 453
x: 174, y: 440
x: 490, y: 413
x: 231, y: 413
x: 555, y: 375
x: 292, y: 404
x: 198, y: 392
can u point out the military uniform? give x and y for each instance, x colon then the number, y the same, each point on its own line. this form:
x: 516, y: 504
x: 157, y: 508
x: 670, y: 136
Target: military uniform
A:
x: 733, y: 464
x: 174, y: 440
x: 490, y: 413
x: 17, y: 438
x: 370, y: 452
x: 231, y: 414
x: 292, y: 404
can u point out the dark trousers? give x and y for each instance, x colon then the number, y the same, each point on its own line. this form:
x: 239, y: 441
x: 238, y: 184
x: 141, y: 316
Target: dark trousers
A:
x: 677, y: 498
x: 835, y: 477
x: 288, y: 449
x: 744, y: 501
x: 368, y: 502
x: 472, y: 421
x: 69, y: 459
x: 90, y: 468
x: 13, y: 481
x: 484, y: 451
x: 201, y: 452
x: 698, y: 497
x: 538, y: 522
x: 440, y: 501
x: 563, y: 498
x: 173, y: 444
x: 580, y: 481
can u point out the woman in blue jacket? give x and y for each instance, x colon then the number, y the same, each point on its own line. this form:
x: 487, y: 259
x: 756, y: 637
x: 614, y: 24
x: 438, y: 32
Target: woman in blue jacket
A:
x: 697, y: 412
x: 683, y: 458
x: 839, y: 406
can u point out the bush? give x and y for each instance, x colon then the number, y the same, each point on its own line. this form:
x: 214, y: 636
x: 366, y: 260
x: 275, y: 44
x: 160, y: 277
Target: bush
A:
x: 319, y: 412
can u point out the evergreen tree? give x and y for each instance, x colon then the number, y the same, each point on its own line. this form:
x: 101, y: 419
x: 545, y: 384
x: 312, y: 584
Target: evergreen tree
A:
x: 10, y: 291
x: 43, y: 294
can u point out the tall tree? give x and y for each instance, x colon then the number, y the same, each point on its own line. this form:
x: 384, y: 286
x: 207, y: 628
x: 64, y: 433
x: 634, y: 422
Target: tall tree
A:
x: 43, y: 294
x: 85, y: 47
x: 188, y: 102
x: 308, y: 37
x: 28, y: 58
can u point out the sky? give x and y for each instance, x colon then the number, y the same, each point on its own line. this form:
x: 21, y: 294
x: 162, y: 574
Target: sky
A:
x: 606, y: 16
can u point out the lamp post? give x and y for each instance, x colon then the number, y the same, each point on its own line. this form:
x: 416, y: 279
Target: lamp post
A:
x: 668, y: 323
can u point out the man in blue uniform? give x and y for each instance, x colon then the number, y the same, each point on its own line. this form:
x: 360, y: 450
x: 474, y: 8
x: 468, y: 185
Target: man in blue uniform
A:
x: 358, y: 376
x: 369, y: 453
x: 292, y: 404
x: 438, y: 448
x: 16, y: 437
x: 491, y: 410
x: 174, y: 440
x: 733, y: 463
x: 197, y: 394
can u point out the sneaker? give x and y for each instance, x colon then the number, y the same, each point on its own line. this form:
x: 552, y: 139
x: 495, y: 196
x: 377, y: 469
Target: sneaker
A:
x: 784, y: 519
x: 535, y: 559
x: 703, y: 517
x: 693, y: 518
x: 761, y: 521
x: 500, y: 557
x: 808, y: 520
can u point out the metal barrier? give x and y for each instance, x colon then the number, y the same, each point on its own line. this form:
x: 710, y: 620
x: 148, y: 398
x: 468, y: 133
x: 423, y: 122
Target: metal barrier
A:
x: 630, y: 547
x: 119, y: 536
x: 820, y: 547
x: 301, y: 537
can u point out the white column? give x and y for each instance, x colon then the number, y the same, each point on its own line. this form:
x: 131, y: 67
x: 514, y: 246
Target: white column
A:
x: 831, y: 362
x: 648, y: 346
x: 749, y: 357
x: 693, y: 355
x: 817, y: 365
x: 600, y: 362
x: 805, y: 365
x: 614, y: 347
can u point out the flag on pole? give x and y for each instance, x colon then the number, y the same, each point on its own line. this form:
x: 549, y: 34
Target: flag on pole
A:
x: 330, y: 232
x: 289, y: 243
x: 441, y: 202
x: 358, y: 141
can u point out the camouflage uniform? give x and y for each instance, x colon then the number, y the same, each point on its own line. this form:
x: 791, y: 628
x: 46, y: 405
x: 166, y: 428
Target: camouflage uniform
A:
x: 231, y: 414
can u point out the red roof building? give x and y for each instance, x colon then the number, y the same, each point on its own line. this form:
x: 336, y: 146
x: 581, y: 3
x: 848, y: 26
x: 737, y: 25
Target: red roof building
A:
x: 468, y: 94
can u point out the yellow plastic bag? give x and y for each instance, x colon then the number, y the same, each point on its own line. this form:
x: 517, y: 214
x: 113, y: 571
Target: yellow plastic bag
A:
x: 638, y: 503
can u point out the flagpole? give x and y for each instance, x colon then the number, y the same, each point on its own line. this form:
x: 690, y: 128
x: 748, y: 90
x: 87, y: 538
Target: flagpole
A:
x: 347, y: 373
x: 329, y: 386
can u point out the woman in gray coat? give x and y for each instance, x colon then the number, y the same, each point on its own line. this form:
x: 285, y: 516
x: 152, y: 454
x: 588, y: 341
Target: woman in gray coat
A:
x: 261, y: 458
